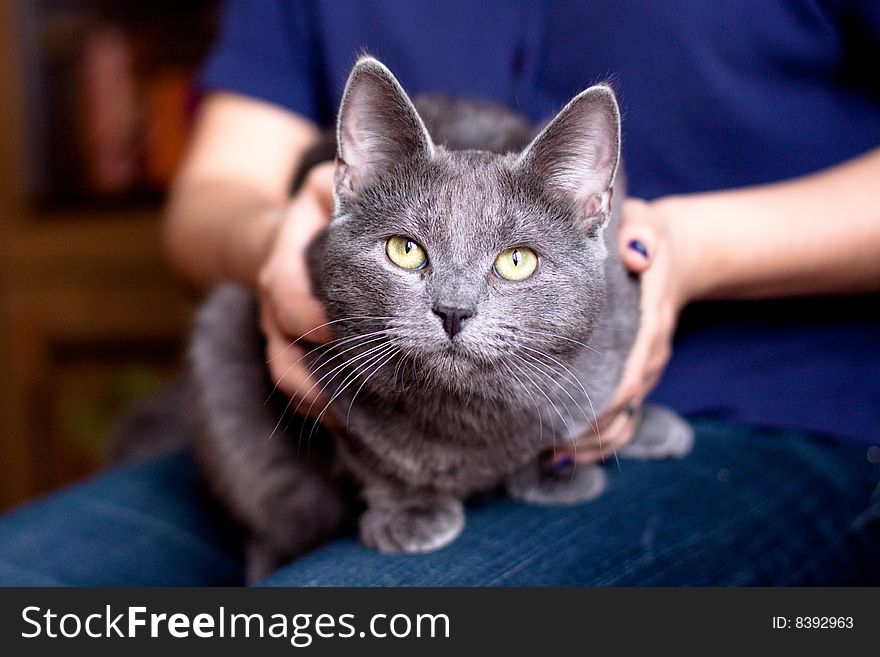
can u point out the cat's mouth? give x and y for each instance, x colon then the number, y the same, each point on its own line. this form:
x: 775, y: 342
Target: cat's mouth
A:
x: 467, y: 353
x: 446, y: 353
x: 458, y: 355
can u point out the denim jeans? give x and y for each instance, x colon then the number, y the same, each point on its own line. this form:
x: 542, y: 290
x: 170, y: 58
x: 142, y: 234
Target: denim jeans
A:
x: 747, y: 507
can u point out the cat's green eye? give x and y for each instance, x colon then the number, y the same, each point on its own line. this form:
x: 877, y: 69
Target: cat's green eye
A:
x: 516, y: 264
x: 405, y: 253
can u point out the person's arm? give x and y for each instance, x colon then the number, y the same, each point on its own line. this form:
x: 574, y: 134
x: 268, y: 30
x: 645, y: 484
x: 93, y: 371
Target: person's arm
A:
x: 231, y: 217
x: 817, y: 234
x: 230, y: 195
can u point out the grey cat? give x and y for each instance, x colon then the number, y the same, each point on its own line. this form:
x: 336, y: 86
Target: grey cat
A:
x: 481, y: 316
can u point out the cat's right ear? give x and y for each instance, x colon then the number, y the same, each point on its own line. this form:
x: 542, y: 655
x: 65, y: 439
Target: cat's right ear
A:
x: 378, y: 127
x: 576, y: 156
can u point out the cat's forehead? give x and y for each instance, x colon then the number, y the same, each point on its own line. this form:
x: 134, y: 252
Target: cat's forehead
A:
x: 462, y: 200
x: 465, y: 207
x: 467, y: 193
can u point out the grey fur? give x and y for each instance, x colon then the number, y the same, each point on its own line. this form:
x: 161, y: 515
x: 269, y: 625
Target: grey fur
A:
x: 424, y: 420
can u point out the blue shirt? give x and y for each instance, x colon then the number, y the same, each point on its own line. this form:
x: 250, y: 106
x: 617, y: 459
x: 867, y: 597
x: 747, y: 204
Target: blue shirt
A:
x: 713, y: 95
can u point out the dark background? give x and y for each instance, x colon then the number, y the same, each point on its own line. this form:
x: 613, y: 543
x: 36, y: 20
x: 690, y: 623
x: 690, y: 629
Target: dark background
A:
x: 96, y: 100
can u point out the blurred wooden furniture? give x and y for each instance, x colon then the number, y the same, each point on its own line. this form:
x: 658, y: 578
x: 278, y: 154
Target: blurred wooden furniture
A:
x: 86, y: 299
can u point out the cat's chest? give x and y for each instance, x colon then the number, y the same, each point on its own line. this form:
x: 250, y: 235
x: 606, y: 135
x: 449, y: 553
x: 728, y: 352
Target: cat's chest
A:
x: 453, y: 445
x: 422, y: 436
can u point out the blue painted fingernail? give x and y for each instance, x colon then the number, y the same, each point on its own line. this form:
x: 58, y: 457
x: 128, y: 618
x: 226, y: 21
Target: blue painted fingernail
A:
x: 562, y: 463
x: 639, y: 247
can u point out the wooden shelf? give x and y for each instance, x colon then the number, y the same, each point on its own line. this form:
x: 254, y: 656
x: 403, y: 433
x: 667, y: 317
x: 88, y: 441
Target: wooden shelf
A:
x: 86, y: 297
x: 84, y: 245
x: 68, y: 286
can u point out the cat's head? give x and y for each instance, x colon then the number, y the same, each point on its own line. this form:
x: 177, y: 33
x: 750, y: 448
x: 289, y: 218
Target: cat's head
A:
x: 468, y: 263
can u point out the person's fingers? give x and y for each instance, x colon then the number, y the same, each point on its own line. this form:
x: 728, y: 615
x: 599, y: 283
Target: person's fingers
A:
x: 608, y: 451
x: 637, y: 237
x: 305, y: 319
x: 643, y: 246
x: 312, y: 207
x: 291, y: 318
x: 287, y: 367
x: 319, y: 181
x: 652, y: 347
x: 615, y: 434
x: 643, y: 369
x: 284, y: 283
x: 599, y: 442
x: 636, y: 379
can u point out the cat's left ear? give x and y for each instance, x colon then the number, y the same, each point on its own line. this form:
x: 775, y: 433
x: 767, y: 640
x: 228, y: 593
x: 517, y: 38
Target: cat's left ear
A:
x: 378, y: 127
x: 576, y: 156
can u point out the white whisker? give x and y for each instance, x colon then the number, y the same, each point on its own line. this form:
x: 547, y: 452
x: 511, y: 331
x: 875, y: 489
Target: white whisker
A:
x: 573, y: 378
x: 335, y: 371
x: 550, y: 401
x: 335, y: 321
x: 585, y: 346
x: 503, y: 361
x: 365, y: 361
x: 316, y: 383
x: 369, y: 376
x: 327, y: 345
x: 352, y: 377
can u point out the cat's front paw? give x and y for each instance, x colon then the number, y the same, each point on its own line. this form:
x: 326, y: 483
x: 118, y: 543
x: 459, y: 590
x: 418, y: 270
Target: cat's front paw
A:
x: 539, y: 484
x: 412, y: 525
x: 661, y: 434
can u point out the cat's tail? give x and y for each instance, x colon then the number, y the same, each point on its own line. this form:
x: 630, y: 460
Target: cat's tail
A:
x: 281, y: 489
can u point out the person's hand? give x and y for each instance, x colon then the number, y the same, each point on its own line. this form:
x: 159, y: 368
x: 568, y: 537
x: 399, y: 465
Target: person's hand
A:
x: 653, y: 246
x: 290, y: 317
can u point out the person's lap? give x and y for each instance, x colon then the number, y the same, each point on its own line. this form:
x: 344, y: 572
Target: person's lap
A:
x: 745, y: 508
x: 142, y: 525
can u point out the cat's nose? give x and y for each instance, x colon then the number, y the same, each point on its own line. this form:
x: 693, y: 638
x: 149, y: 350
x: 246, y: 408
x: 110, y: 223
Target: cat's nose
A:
x: 452, y: 318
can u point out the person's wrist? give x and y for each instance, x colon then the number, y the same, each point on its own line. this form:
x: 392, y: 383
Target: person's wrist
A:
x: 691, y: 258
